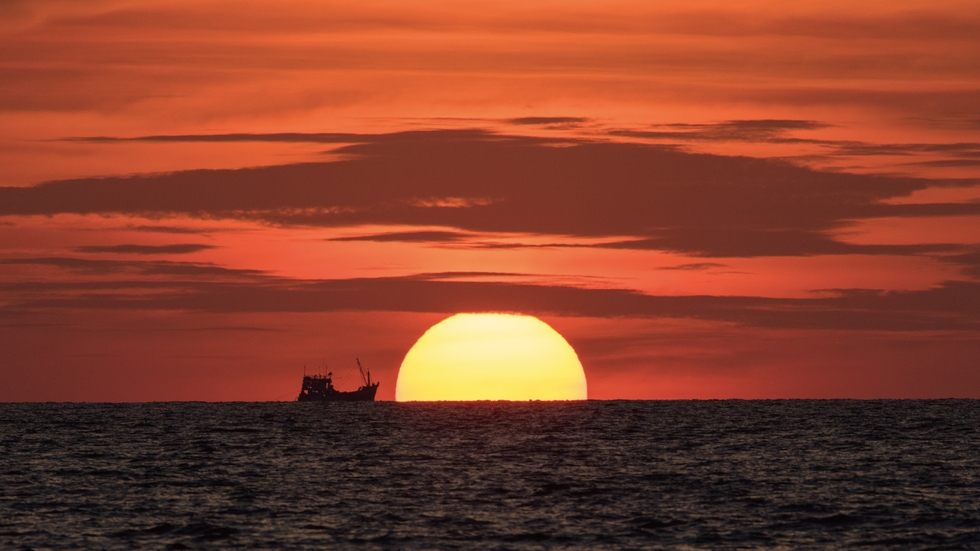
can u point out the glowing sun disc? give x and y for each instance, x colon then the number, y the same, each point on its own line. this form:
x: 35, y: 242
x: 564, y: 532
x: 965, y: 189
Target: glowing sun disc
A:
x: 491, y: 357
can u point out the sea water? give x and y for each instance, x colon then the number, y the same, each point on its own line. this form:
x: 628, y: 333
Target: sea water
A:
x: 482, y: 475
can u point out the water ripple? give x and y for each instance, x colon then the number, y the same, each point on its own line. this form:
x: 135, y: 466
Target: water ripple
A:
x: 600, y: 475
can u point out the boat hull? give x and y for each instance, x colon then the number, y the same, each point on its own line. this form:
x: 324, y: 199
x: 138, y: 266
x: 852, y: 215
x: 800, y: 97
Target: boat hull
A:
x: 363, y: 394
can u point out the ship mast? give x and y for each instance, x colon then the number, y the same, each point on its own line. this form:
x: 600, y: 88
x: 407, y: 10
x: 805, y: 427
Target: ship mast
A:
x: 365, y: 378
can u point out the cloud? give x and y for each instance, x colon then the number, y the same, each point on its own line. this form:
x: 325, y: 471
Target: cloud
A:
x: 202, y: 63
x: 772, y: 131
x: 950, y: 163
x: 707, y: 205
x: 307, y: 137
x: 406, y: 237
x: 287, y: 137
x: 450, y: 202
x: 436, y: 276
x: 969, y: 260
x: 156, y: 267
x: 778, y: 131
x: 544, y: 121
x: 696, y: 266
x: 955, y: 305
x: 184, y: 248
x: 176, y: 229
x: 754, y: 130
x: 752, y: 243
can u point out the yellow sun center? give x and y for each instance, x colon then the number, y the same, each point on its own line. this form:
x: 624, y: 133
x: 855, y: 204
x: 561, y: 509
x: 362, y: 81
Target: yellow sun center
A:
x: 491, y: 357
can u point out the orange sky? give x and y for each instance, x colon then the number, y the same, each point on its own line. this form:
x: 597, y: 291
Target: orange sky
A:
x: 766, y: 200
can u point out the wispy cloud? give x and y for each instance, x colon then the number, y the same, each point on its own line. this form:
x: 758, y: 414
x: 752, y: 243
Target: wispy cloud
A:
x: 182, y: 248
x: 406, y: 237
x: 694, y: 266
x: 955, y: 305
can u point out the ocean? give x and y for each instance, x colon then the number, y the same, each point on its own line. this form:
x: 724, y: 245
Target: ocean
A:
x: 799, y: 474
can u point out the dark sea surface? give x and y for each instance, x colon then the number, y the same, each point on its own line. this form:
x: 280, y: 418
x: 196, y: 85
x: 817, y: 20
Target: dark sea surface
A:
x: 480, y: 475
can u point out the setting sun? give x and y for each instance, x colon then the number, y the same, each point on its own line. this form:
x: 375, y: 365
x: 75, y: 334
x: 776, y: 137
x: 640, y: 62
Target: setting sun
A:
x: 491, y: 357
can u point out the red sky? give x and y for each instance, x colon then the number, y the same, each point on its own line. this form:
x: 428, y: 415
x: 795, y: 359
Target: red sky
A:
x: 768, y: 200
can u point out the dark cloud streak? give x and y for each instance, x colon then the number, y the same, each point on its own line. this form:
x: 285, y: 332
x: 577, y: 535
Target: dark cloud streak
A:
x: 953, y: 306
x: 695, y: 266
x: 406, y: 237
x: 706, y: 205
x: 776, y: 131
x: 156, y: 267
x: 544, y: 121
x: 182, y: 248
x: 968, y: 260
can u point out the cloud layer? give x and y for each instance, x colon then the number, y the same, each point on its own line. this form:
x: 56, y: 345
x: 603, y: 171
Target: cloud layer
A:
x: 658, y: 197
x: 955, y: 305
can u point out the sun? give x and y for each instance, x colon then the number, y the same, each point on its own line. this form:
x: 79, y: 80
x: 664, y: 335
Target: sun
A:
x: 491, y: 357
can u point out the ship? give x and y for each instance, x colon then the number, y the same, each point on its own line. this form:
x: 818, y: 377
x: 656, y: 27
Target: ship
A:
x: 319, y: 388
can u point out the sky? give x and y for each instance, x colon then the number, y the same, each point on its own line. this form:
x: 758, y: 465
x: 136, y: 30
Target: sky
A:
x: 199, y: 200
